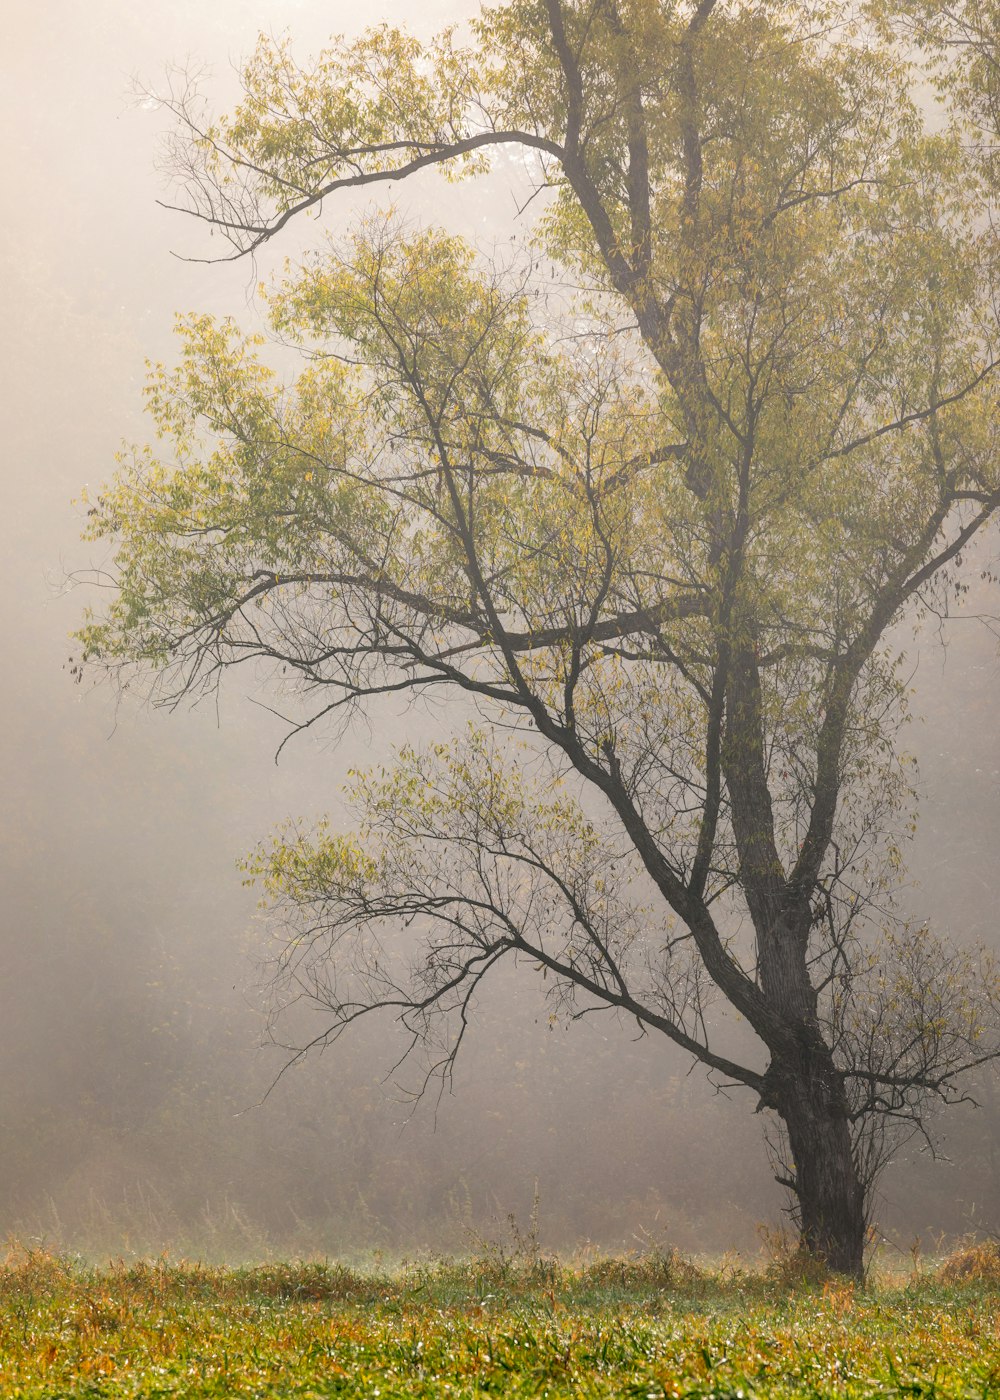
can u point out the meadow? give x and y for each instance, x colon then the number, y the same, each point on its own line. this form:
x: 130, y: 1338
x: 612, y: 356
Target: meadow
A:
x: 655, y: 1326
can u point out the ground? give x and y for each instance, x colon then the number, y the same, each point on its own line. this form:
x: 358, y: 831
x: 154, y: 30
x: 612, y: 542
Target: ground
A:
x: 650, y: 1327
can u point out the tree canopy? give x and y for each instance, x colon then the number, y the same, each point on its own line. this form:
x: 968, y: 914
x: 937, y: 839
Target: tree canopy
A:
x: 650, y: 489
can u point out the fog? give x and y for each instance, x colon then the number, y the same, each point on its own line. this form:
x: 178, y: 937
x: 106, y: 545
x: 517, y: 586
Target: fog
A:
x: 132, y: 1092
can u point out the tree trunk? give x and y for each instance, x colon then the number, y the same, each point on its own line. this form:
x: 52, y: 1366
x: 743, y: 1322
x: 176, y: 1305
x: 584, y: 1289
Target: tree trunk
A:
x: 802, y: 1083
x: 809, y: 1096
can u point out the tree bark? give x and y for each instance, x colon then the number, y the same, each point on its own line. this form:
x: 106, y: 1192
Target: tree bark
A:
x: 807, y: 1091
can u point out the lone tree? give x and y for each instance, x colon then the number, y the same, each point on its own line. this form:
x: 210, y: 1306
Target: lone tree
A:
x: 651, y: 492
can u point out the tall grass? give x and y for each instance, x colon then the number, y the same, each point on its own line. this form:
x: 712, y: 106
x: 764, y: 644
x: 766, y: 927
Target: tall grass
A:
x: 508, y: 1321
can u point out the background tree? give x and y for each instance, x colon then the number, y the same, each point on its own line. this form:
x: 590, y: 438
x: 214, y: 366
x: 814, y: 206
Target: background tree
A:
x: 650, y: 495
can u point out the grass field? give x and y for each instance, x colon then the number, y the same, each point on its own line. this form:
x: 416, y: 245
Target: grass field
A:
x: 494, y: 1326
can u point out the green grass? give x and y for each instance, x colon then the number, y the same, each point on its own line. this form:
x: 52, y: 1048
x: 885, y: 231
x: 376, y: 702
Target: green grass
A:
x: 495, y: 1326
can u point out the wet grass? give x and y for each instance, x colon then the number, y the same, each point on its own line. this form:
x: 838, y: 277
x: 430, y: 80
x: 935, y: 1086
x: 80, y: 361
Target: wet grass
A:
x: 650, y: 1327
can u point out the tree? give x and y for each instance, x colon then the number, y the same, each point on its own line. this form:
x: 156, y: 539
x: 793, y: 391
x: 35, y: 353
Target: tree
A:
x: 650, y: 494
x: 966, y: 35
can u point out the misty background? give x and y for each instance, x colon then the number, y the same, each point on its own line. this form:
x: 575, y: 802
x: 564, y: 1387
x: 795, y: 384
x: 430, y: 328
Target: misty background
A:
x: 131, y: 1073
